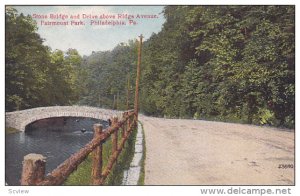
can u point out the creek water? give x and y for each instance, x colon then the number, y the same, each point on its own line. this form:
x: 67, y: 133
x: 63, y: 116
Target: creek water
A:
x: 55, y: 138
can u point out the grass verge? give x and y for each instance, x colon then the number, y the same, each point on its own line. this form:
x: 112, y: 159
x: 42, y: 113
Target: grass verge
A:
x: 123, y: 162
x: 141, y: 180
x: 82, y: 176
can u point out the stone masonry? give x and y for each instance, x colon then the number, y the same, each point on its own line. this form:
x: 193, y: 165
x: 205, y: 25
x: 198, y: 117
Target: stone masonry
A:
x: 20, y: 119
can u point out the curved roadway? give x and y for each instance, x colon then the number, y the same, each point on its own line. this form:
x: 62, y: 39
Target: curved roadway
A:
x: 196, y: 152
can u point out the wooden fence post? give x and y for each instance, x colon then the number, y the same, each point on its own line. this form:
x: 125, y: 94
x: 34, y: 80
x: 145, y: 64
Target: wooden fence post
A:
x: 97, y: 157
x: 124, y: 126
x: 128, y: 125
x: 115, y: 135
x: 33, y: 171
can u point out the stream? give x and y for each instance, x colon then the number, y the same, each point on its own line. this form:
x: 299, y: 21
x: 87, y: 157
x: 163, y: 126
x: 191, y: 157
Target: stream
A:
x: 55, y: 138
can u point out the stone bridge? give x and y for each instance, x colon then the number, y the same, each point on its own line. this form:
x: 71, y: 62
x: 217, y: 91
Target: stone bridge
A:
x: 20, y: 119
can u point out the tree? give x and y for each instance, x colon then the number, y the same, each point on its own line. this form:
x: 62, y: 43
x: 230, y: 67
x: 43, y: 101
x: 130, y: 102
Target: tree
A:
x: 222, y: 62
x: 35, y: 76
x: 26, y: 61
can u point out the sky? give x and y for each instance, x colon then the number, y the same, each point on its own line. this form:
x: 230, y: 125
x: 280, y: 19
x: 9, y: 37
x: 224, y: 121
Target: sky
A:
x: 88, y: 38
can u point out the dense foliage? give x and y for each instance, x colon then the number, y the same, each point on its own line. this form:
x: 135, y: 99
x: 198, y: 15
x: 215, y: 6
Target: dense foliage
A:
x: 222, y: 62
x: 34, y: 75
x: 109, y: 72
x: 234, y: 63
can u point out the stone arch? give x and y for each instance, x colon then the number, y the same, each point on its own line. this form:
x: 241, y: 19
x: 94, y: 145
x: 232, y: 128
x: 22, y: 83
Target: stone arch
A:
x: 20, y: 119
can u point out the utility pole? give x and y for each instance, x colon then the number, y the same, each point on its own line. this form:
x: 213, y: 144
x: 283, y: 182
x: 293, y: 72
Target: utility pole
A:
x: 114, y: 103
x: 118, y: 95
x: 99, y: 100
x: 138, y: 72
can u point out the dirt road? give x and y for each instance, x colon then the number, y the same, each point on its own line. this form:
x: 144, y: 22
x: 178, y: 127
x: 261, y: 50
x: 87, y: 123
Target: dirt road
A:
x: 194, y: 152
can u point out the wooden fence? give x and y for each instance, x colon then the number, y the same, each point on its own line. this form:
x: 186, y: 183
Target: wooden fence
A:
x: 34, y: 165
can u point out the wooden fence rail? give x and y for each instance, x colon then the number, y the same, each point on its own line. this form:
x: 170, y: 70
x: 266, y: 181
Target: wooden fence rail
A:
x: 33, y: 172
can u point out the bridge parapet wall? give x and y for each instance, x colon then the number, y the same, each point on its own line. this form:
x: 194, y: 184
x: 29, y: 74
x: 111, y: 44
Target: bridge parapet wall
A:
x: 20, y: 119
